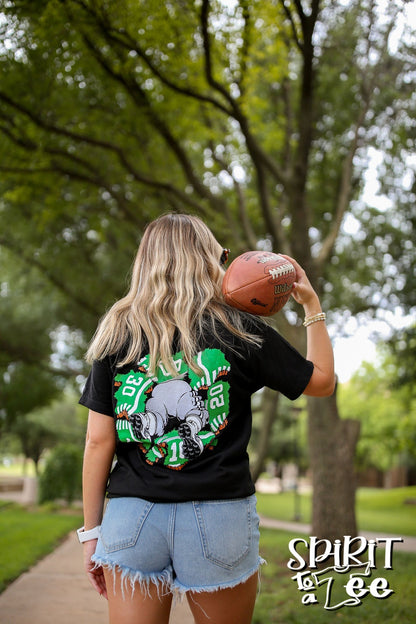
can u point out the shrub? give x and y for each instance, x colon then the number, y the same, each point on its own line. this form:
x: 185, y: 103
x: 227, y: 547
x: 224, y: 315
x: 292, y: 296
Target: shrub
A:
x: 61, y: 478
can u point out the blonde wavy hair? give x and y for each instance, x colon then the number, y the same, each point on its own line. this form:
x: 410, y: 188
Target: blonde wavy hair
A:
x: 175, y: 291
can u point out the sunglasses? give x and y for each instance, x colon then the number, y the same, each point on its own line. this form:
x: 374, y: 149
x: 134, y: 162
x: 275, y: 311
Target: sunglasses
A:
x: 224, y: 256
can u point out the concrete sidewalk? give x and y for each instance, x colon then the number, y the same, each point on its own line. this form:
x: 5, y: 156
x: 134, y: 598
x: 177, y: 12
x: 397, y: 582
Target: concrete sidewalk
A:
x: 408, y: 544
x: 57, y: 590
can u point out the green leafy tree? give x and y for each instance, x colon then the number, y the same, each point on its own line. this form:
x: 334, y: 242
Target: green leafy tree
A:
x: 62, y: 421
x: 388, y: 418
x: 61, y: 478
x: 28, y: 379
x: 256, y: 116
x: 402, y: 347
x: 287, y: 441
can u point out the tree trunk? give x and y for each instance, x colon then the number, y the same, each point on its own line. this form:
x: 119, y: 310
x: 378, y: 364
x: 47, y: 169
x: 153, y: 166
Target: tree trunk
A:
x: 269, y: 403
x: 332, y: 443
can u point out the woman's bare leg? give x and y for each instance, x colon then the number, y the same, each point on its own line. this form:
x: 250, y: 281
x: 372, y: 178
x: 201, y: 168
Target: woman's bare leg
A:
x: 235, y: 604
x: 152, y: 607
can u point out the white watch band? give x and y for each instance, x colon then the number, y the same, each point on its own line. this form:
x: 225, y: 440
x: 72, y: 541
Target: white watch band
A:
x: 85, y: 536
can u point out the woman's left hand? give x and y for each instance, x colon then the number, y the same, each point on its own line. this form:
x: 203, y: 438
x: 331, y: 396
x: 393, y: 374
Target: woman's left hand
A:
x: 95, y: 574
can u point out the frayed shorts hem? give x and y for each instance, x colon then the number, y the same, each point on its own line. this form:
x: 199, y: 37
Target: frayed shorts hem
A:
x: 183, y: 589
x: 165, y: 582
x: 162, y: 580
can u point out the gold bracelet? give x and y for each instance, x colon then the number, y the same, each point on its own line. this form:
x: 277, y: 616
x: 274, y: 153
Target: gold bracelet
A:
x: 321, y: 316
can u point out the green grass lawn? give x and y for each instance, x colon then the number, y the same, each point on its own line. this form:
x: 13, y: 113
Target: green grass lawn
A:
x: 384, y: 511
x: 26, y: 536
x: 18, y: 469
x: 279, y: 601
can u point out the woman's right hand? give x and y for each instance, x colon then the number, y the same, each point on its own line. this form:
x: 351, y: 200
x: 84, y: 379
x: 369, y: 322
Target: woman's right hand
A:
x: 303, y: 292
x: 95, y: 574
x: 319, y: 351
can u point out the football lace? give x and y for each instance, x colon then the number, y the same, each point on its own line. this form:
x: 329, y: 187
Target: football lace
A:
x: 283, y: 269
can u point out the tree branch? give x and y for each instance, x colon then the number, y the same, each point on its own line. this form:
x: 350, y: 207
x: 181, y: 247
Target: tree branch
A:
x: 82, y: 138
x: 299, y: 8
x: 289, y: 15
x: 297, y: 193
x: 260, y: 159
x: 245, y: 6
x: 367, y: 89
x: 289, y: 117
x: 207, y: 55
x: 123, y: 38
x: 186, y: 91
x: 25, y: 353
x: 37, y: 120
x: 60, y: 284
x: 248, y: 231
x: 115, y: 36
x: 98, y: 180
x: 343, y: 194
x: 139, y: 97
x: 259, y: 156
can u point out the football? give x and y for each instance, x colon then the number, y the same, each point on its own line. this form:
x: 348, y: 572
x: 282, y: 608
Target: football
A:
x: 259, y: 282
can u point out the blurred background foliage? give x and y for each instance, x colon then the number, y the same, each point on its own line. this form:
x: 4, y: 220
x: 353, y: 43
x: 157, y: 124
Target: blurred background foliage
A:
x: 264, y: 118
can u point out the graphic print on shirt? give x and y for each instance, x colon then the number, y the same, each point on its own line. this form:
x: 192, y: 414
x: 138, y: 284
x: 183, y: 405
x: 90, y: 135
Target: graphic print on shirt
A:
x: 174, y: 419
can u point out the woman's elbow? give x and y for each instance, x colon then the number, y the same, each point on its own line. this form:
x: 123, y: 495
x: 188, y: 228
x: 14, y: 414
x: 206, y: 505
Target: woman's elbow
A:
x: 97, y: 443
x: 329, y: 388
x: 321, y: 385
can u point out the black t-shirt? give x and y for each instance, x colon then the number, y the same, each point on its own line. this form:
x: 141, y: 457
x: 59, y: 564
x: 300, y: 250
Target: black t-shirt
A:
x: 185, y: 438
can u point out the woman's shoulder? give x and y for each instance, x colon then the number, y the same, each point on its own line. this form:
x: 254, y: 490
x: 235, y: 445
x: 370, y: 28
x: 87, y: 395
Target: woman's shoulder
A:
x: 249, y: 323
x: 238, y: 330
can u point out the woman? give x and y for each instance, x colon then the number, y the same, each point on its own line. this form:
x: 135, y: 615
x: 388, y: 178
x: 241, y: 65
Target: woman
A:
x: 173, y: 370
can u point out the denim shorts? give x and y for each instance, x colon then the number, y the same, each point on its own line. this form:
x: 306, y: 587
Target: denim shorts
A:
x: 194, y: 546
